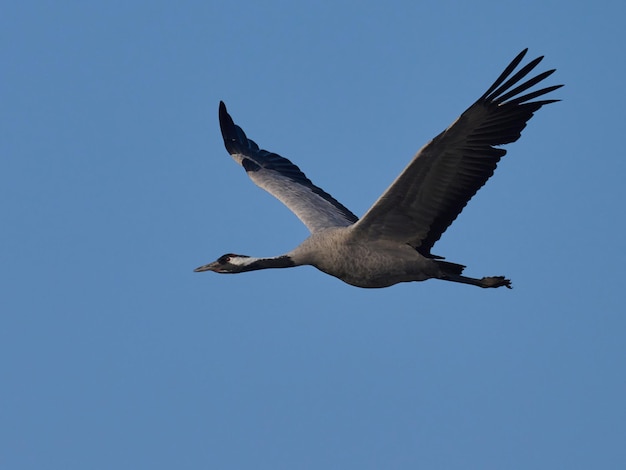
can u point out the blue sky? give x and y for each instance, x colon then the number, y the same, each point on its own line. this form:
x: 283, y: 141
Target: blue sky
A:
x: 115, y: 185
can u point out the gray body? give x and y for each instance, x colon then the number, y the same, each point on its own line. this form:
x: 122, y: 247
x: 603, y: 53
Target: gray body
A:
x: 392, y: 242
x: 363, y: 263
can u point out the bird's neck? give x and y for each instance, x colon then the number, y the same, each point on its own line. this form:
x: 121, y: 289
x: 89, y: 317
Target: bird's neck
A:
x: 283, y: 261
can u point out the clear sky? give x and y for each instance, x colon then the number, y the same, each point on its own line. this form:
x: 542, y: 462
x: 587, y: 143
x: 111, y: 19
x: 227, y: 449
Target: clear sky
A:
x: 115, y: 185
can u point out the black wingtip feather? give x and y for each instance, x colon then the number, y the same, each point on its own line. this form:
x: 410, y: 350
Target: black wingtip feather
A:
x: 235, y: 139
x: 524, y: 86
x: 520, y: 74
x: 535, y: 94
x: 507, y: 71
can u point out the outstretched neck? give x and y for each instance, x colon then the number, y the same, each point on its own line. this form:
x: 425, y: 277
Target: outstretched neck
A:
x: 283, y: 261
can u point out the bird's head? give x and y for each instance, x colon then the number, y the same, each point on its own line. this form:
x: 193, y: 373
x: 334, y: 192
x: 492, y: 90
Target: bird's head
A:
x: 229, y: 263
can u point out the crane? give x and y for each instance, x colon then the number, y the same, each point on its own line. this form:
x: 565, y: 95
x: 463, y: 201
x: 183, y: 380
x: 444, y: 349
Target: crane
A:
x: 392, y: 242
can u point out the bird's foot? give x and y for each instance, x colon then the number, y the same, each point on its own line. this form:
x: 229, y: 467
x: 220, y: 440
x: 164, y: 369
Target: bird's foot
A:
x: 495, y: 281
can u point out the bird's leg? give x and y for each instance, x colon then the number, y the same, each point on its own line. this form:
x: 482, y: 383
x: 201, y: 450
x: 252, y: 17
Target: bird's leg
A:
x: 493, y: 281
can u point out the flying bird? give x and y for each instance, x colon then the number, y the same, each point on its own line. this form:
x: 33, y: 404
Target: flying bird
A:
x: 392, y: 242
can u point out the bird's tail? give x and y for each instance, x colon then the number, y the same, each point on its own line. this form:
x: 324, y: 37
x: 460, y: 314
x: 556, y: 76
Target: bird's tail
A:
x: 450, y: 269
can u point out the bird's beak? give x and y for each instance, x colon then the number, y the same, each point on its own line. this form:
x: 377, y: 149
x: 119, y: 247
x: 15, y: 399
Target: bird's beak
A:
x: 207, y: 267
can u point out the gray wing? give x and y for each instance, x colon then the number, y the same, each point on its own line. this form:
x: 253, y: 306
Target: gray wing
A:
x: 282, y: 179
x: 444, y: 175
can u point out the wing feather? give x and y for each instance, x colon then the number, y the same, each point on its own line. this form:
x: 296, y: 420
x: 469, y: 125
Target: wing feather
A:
x: 282, y: 179
x: 446, y: 173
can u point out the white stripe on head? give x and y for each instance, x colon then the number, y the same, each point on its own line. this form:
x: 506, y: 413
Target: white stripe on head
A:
x: 242, y: 260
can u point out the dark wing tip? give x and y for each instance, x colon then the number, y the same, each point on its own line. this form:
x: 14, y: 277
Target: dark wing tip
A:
x: 504, y: 89
x: 226, y: 122
x: 224, y: 117
x: 235, y: 139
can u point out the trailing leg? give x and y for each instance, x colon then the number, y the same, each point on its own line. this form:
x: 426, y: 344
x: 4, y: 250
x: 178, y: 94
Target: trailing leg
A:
x: 453, y: 272
x: 493, y: 281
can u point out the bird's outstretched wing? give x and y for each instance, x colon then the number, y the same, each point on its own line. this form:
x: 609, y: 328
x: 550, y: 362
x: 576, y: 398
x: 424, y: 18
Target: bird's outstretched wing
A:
x: 444, y: 175
x: 282, y: 179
